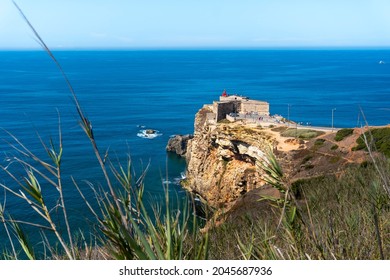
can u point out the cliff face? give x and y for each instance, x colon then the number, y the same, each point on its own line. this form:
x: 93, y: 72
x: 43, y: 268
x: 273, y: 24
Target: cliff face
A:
x: 221, y: 160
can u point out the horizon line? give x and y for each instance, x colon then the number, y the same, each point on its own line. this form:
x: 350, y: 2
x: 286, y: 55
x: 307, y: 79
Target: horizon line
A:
x: 243, y: 48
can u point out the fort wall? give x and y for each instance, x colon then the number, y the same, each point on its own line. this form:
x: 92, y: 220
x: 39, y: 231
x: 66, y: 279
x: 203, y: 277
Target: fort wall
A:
x: 221, y: 109
x: 228, y: 104
x: 262, y: 108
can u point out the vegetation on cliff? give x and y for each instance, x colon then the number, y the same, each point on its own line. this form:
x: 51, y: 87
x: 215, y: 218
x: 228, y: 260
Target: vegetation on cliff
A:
x: 380, y: 140
x: 342, y: 133
x: 301, y: 133
x: 332, y: 218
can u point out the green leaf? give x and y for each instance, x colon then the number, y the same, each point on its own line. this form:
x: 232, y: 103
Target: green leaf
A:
x: 33, y: 187
x: 23, y: 241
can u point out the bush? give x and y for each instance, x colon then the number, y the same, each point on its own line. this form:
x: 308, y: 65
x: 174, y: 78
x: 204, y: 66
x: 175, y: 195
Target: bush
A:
x: 379, y: 138
x: 309, y: 166
x: 319, y: 142
x: 334, y: 147
x: 343, y: 133
x: 306, y: 159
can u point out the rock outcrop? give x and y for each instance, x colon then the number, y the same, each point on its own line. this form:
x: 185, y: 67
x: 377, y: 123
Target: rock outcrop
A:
x: 223, y: 159
x: 178, y: 144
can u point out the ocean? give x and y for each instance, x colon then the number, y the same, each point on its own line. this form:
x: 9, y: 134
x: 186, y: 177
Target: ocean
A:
x: 122, y: 92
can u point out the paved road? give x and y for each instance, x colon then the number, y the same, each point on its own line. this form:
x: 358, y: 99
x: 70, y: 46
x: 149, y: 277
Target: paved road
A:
x: 299, y: 126
x: 272, y: 121
x: 321, y: 128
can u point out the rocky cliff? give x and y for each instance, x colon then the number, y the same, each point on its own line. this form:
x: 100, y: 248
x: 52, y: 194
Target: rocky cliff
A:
x: 223, y: 158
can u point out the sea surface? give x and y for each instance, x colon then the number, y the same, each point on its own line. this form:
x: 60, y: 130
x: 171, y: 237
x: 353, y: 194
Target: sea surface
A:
x: 122, y: 92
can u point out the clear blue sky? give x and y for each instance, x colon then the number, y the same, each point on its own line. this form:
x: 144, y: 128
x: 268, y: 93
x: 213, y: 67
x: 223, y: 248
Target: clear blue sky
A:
x: 139, y: 24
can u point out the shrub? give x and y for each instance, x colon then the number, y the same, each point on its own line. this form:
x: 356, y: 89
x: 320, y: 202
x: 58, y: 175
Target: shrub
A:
x: 334, y: 147
x: 379, y: 138
x: 306, y: 159
x: 343, y: 133
x: 319, y: 142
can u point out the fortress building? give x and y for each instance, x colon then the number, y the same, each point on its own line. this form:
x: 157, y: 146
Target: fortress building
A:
x: 236, y: 105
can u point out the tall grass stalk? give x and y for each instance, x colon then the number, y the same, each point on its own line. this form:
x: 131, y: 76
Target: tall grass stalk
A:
x: 31, y: 192
x: 85, y: 123
x: 4, y: 221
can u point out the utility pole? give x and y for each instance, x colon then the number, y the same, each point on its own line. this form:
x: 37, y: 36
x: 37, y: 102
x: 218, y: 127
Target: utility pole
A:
x: 334, y: 109
x: 288, y: 115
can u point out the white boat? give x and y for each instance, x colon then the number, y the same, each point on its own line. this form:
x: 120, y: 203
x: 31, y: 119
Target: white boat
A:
x: 381, y: 62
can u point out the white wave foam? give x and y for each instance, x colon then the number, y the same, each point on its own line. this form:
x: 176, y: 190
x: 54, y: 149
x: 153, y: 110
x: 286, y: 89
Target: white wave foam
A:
x: 148, y: 133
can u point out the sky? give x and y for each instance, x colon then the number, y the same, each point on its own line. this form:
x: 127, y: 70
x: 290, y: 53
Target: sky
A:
x: 193, y: 24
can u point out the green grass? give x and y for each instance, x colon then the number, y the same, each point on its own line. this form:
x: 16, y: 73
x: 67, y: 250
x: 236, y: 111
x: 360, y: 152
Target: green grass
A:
x: 343, y: 133
x: 304, y: 134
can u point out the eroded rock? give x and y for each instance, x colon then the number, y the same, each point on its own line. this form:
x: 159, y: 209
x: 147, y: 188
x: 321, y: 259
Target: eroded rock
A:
x: 178, y: 144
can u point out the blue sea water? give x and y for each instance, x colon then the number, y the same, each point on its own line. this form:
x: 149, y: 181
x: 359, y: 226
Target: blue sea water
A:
x: 123, y: 90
